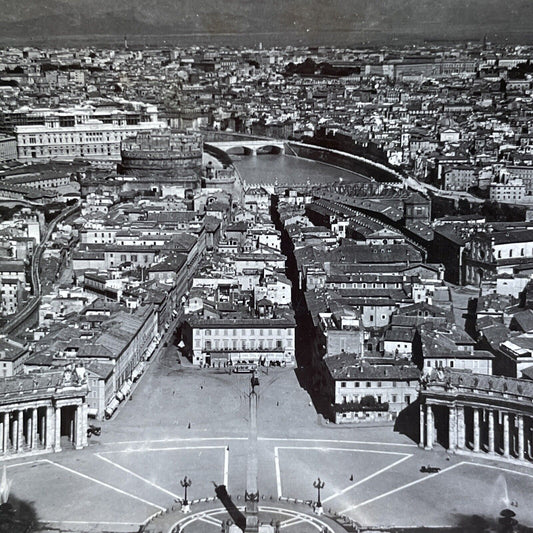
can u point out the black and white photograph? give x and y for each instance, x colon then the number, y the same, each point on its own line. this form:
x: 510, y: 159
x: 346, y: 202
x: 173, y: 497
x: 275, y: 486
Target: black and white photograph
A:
x: 266, y: 266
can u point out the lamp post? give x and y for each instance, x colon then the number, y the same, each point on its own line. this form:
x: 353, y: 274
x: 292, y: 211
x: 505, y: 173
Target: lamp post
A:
x: 318, y: 485
x: 185, y: 483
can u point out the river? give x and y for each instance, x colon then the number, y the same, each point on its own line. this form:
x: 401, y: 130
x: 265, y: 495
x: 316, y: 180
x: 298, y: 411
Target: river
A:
x: 290, y: 170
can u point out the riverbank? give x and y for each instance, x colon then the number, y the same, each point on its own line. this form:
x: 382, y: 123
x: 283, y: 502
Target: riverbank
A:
x: 270, y: 169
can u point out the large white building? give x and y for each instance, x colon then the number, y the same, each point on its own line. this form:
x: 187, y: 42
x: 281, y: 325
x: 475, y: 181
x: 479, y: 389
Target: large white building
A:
x: 221, y: 342
x: 92, y: 131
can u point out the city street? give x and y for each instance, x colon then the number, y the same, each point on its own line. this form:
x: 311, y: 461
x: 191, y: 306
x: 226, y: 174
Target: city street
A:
x: 184, y: 421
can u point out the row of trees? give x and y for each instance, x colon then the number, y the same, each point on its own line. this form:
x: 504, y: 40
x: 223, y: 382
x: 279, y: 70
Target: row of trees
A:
x: 310, y: 68
x: 367, y: 403
x: 492, y: 211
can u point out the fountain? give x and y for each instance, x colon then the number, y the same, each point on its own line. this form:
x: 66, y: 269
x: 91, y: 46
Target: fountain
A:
x: 5, y: 486
x: 8, y: 521
x: 506, y: 520
x: 501, y: 492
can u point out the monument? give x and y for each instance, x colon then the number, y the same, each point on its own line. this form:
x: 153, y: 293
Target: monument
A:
x: 251, y: 494
x: 253, y: 518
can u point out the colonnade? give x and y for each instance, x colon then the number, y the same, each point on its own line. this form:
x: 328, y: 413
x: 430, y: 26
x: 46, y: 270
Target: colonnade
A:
x: 27, y: 428
x: 476, y: 428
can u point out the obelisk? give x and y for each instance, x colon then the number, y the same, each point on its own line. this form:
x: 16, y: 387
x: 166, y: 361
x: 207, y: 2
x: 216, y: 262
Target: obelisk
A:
x: 251, y: 494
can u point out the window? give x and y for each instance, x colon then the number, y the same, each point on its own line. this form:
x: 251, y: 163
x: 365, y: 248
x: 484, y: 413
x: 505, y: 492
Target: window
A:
x: 379, y: 383
x: 408, y: 399
x: 428, y: 364
x: 371, y: 318
x: 394, y: 398
x: 368, y: 384
x: 451, y: 364
x: 208, y: 332
x: 357, y: 383
x: 343, y: 384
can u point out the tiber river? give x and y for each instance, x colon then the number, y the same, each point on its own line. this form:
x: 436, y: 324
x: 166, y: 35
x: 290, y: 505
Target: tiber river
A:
x: 266, y: 168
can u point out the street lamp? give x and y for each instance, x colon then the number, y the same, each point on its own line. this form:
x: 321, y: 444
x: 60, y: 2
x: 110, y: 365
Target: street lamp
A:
x: 185, y: 483
x: 318, y: 485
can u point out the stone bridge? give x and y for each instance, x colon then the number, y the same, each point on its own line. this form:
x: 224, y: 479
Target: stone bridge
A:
x: 250, y: 147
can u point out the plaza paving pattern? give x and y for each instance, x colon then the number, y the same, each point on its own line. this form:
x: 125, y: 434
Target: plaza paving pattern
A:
x: 189, y: 422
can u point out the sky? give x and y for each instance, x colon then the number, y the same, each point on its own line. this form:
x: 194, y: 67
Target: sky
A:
x: 302, y: 21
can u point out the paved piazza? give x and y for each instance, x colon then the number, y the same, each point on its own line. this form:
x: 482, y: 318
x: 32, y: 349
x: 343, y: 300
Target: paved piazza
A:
x: 371, y: 474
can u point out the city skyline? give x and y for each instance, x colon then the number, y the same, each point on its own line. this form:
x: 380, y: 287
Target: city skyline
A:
x: 266, y: 267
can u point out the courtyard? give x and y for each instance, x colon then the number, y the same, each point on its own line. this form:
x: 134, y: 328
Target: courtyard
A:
x: 184, y: 421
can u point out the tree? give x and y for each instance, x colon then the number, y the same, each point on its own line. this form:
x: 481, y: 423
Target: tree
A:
x: 368, y: 401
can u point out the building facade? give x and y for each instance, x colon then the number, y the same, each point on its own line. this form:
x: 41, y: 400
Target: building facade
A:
x: 43, y: 412
x: 8, y: 148
x: 359, y: 390
x: 464, y: 411
x: 91, y: 131
x: 223, y: 342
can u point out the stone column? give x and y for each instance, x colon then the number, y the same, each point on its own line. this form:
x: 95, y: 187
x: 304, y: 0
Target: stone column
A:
x: 15, y: 434
x: 491, y: 431
x: 251, y: 493
x: 506, y: 446
x: 34, y: 424
x: 520, y: 420
x: 5, y: 443
x: 452, y: 428
x: 20, y: 427
x: 461, y: 434
x: 50, y: 427
x: 29, y: 432
x: 84, y: 424
x: 78, y: 427
x: 476, y: 430
x: 57, y: 432
x: 74, y: 429
x: 527, y: 434
x: 430, y: 427
x: 43, y: 428
x: 422, y: 426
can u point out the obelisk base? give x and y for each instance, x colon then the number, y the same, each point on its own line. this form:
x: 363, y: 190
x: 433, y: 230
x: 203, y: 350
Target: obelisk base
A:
x: 252, y: 524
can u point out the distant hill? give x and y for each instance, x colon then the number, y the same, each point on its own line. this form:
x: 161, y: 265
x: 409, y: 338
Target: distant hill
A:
x: 429, y: 18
